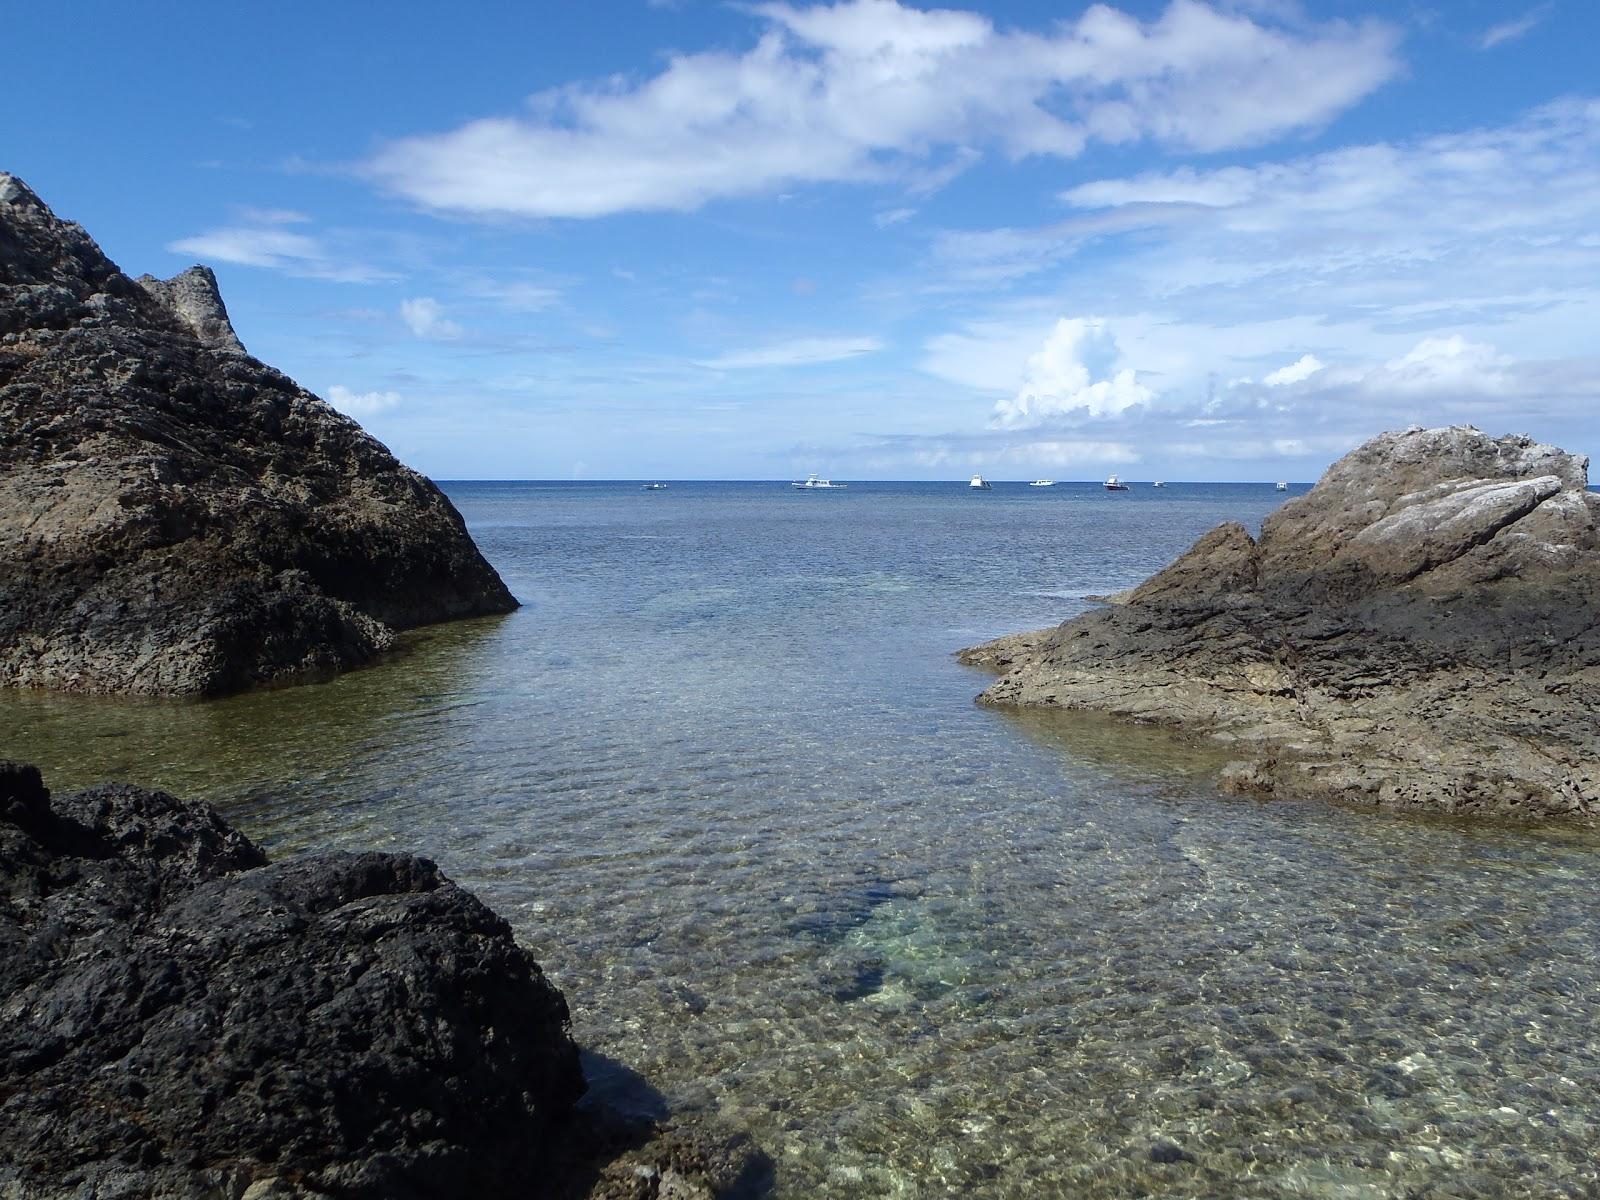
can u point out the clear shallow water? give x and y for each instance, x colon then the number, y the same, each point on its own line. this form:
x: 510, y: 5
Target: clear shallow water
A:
x: 724, y: 777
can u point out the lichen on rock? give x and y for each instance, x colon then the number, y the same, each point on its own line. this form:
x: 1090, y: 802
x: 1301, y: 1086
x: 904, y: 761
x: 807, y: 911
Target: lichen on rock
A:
x: 1420, y: 630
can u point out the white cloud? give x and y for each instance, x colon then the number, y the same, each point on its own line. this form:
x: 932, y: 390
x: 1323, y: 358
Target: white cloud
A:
x: 1303, y: 368
x: 517, y: 295
x: 1449, y: 278
x: 262, y: 241
x: 1510, y: 31
x: 1077, y: 371
x: 1447, y: 364
x: 1454, y: 220
x: 893, y: 217
x: 798, y: 352
x: 272, y: 216
x: 361, y: 404
x: 424, y: 316
x: 873, y: 89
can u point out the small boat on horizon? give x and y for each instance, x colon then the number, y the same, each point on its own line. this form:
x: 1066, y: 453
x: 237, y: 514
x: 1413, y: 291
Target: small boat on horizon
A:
x: 654, y: 487
x: 1159, y: 483
x: 1282, y: 485
x: 979, y: 483
x: 815, y: 483
x: 1113, y: 484
x: 1043, y: 483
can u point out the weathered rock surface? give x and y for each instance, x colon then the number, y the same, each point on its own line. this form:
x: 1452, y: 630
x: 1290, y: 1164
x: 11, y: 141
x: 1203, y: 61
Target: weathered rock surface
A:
x: 177, y: 517
x: 1420, y: 630
x: 182, y: 1018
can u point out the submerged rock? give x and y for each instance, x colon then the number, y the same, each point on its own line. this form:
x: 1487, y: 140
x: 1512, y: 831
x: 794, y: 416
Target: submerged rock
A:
x: 183, y: 1018
x: 176, y: 517
x: 1420, y: 630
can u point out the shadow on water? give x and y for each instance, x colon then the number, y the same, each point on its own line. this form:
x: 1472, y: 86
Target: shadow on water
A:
x: 211, y: 749
x: 622, y: 1115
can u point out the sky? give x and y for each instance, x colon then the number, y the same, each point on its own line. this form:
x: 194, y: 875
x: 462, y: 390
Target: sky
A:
x: 1191, y: 240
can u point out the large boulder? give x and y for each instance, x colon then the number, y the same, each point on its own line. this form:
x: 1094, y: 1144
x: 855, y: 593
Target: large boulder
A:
x: 176, y: 517
x: 181, y: 1018
x: 1420, y: 630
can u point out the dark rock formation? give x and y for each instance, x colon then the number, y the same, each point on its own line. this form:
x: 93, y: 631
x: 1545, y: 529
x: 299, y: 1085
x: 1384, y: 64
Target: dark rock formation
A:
x: 182, y: 1018
x: 1420, y: 630
x: 175, y: 516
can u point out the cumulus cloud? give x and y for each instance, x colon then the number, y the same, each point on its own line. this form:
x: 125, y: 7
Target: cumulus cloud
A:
x: 361, y: 404
x: 1076, y: 371
x: 1447, y: 364
x: 1303, y: 368
x: 798, y: 352
x: 424, y: 316
x: 1442, y: 279
x: 874, y: 89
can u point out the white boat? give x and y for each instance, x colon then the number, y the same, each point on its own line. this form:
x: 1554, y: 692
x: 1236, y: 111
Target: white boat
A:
x: 979, y: 482
x: 654, y: 487
x: 1113, y: 484
x: 1282, y: 485
x: 815, y: 483
x: 1159, y: 483
x: 1043, y: 483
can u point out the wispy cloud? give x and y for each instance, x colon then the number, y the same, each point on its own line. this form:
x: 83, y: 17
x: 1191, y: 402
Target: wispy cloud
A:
x: 1510, y: 31
x: 261, y: 238
x: 874, y: 90
x: 797, y: 352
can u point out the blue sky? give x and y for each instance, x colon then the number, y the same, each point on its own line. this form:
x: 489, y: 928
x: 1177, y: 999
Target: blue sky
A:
x: 666, y: 238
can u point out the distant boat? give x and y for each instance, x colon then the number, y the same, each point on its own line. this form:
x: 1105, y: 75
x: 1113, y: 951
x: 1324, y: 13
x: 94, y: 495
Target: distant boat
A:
x: 1159, y: 483
x: 1113, y: 484
x: 815, y: 483
x: 980, y: 483
x: 1282, y: 485
x: 1043, y: 483
x: 654, y: 487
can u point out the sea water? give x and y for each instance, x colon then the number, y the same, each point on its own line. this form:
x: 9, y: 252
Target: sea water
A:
x: 723, y: 775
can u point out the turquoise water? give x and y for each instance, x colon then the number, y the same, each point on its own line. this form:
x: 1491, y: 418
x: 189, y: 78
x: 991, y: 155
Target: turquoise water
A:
x: 724, y: 777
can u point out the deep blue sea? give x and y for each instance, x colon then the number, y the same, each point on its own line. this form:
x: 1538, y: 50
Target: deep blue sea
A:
x: 723, y: 775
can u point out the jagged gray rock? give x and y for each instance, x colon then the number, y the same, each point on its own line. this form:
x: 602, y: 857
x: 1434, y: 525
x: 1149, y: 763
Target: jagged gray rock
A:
x: 1420, y: 630
x: 182, y: 1018
x: 193, y: 297
x: 177, y: 517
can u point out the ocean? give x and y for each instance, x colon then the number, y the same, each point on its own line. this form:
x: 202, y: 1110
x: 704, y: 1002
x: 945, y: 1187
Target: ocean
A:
x: 724, y: 777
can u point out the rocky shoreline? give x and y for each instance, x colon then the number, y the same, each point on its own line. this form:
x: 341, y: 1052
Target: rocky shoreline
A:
x: 1421, y: 630
x: 184, y: 1018
x: 176, y: 517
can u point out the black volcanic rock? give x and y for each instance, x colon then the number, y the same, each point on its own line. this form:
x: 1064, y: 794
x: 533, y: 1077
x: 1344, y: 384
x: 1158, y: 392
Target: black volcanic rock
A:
x: 1420, y: 630
x: 183, y: 1019
x: 176, y: 517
